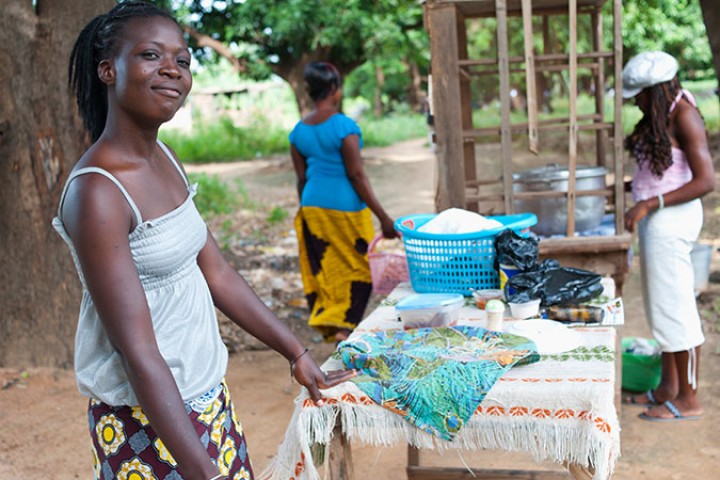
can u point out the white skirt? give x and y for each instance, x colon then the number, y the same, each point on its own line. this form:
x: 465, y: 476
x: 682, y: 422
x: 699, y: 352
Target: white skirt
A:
x: 666, y: 238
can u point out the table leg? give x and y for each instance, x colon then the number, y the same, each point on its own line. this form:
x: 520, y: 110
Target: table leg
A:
x: 340, y: 465
x: 579, y: 472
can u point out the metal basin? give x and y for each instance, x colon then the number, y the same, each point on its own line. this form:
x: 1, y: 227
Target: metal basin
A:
x: 552, y: 212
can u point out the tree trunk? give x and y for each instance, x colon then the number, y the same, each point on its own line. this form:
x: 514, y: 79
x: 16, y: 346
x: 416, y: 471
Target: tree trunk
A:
x: 711, y: 15
x: 416, y: 96
x: 379, y: 85
x: 41, y: 138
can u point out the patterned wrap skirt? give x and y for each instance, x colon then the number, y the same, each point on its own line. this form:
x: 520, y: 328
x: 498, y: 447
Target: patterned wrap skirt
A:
x: 333, y: 252
x: 125, y: 446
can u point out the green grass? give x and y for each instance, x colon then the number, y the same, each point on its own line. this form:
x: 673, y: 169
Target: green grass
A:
x: 222, y: 141
x: 216, y: 197
x: 392, y: 128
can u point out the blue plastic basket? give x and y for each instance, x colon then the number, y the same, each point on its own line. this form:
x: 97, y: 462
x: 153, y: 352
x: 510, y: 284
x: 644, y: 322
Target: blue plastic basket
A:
x: 455, y: 263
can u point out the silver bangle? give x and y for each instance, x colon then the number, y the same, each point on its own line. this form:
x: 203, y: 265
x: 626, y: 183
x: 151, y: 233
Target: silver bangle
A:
x: 217, y: 477
x: 661, y: 202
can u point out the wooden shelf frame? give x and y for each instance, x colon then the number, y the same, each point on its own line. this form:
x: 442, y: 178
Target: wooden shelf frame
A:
x: 451, y: 100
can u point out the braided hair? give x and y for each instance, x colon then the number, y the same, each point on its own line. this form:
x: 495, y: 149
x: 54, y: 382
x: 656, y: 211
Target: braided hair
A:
x: 321, y: 78
x: 649, y: 140
x: 98, y: 41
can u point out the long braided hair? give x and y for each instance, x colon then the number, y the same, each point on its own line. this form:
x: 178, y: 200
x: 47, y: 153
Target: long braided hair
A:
x: 98, y: 41
x: 649, y: 140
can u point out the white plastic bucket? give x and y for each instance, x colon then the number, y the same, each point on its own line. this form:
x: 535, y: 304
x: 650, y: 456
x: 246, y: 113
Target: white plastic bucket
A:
x: 700, y: 256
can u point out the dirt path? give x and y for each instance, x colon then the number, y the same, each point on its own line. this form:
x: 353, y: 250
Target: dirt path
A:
x: 43, y: 432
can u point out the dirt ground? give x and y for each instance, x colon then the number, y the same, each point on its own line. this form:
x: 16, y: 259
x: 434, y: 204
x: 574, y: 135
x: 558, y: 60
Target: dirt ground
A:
x: 43, y: 429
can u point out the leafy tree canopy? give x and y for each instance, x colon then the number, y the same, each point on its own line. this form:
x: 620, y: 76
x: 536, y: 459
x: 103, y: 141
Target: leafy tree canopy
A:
x: 674, y: 26
x: 280, y: 36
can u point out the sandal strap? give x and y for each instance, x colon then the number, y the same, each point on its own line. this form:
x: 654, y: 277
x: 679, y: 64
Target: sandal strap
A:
x: 673, y: 409
x: 651, y: 397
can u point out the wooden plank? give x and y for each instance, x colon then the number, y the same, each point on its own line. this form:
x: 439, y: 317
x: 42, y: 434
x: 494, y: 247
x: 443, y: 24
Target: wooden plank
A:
x: 466, y: 110
x: 486, y: 8
x: 600, y: 135
x: 451, y: 473
x: 530, y: 82
x: 441, y: 22
x: 413, y: 456
x: 505, y: 132
x: 573, y: 132
x: 340, y: 463
x: 539, y: 59
x: 582, y: 245
x: 618, y: 131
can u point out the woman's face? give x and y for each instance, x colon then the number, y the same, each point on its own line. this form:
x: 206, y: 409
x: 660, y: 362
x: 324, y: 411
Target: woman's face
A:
x: 150, y: 77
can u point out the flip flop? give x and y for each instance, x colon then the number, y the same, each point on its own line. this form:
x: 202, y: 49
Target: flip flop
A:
x: 649, y: 395
x: 677, y: 415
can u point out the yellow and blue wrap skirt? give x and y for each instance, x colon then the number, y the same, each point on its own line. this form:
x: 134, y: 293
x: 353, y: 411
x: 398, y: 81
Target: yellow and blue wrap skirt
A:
x: 333, y: 252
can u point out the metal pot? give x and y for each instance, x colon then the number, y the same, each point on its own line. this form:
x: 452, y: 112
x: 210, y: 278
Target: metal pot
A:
x: 552, y: 212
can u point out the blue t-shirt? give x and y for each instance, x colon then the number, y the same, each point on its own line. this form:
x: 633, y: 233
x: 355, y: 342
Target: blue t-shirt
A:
x: 327, y: 184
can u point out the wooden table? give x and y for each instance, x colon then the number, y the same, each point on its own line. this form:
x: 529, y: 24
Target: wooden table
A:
x: 561, y: 409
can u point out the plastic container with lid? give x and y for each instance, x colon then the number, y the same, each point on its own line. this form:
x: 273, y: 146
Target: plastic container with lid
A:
x: 482, y: 297
x: 429, y: 309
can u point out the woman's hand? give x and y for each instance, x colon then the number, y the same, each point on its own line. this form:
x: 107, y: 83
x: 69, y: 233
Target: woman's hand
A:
x: 639, y: 211
x: 308, y: 374
x: 388, y: 228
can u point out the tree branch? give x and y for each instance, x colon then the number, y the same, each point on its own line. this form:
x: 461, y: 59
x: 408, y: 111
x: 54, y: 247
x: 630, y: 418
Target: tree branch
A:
x: 202, y: 40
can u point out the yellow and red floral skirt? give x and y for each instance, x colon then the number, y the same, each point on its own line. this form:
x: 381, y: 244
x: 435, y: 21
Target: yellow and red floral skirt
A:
x: 125, y: 446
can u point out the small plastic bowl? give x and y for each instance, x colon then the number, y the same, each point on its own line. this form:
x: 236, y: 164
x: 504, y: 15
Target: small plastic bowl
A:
x: 526, y: 309
x: 429, y: 310
x: 483, y: 296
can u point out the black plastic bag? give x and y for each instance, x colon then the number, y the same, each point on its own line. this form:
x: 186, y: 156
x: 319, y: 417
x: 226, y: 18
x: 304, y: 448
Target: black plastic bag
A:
x: 515, y: 250
x: 555, y: 285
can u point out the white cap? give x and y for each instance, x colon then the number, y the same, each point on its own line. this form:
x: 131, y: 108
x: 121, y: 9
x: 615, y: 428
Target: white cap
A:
x: 647, y: 69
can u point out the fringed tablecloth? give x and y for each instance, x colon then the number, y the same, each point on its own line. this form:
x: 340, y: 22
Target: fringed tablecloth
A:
x: 561, y: 408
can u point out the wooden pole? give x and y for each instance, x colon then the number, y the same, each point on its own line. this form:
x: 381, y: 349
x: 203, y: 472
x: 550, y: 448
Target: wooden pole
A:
x: 530, y: 81
x: 442, y: 25
x: 618, y: 130
x: 505, y: 132
x: 573, y: 129
x: 468, y: 145
x: 600, y: 135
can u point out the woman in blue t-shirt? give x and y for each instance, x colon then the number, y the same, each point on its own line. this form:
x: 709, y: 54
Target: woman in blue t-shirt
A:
x: 334, y: 222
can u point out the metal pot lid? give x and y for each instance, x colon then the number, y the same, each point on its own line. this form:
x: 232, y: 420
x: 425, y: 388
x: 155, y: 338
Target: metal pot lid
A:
x: 555, y: 171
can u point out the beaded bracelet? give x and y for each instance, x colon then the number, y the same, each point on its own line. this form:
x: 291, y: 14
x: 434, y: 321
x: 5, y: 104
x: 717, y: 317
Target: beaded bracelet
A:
x: 294, y: 360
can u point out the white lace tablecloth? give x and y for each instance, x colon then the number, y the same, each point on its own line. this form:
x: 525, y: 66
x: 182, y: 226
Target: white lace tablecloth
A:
x: 561, y: 408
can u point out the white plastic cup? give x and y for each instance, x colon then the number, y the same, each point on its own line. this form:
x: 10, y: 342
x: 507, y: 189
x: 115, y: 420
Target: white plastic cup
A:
x: 495, y: 310
x: 526, y: 309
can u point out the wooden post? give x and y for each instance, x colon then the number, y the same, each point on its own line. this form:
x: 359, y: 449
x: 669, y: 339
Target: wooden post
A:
x: 466, y: 110
x: 442, y: 28
x: 505, y: 132
x: 573, y: 130
x: 530, y: 81
x: 618, y: 129
x: 601, y: 134
x: 340, y: 464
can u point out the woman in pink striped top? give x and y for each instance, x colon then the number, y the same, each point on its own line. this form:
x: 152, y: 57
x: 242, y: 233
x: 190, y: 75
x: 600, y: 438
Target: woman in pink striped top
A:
x: 674, y: 169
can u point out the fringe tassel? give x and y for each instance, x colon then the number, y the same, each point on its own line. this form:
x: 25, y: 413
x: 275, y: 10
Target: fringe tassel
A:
x: 372, y: 425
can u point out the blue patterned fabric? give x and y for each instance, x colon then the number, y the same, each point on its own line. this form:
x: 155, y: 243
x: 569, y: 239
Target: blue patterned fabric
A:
x: 434, y: 377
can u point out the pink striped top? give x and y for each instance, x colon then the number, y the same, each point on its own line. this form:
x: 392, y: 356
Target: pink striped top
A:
x: 646, y: 184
